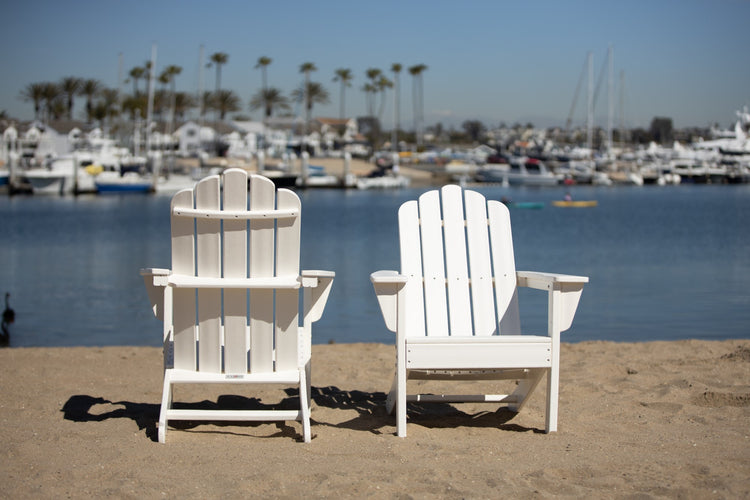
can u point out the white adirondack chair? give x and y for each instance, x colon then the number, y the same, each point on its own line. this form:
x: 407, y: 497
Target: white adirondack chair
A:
x: 230, y: 304
x: 454, y: 305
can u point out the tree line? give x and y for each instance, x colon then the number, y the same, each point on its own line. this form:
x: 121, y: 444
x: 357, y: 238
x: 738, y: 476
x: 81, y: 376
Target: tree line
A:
x: 55, y: 100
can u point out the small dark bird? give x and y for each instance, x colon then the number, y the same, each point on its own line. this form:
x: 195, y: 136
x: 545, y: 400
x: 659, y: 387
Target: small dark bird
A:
x: 9, y: 316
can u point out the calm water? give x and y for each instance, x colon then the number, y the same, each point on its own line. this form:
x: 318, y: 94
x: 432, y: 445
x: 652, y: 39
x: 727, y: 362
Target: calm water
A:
x: 664, y: 262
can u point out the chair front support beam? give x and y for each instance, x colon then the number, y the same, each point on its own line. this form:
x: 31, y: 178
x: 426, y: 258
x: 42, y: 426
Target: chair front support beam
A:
x: 317, y: 287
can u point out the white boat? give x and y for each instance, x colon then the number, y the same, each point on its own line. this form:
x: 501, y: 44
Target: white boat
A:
x: 60, y: 175
x: 519, y: 171
x: 45, y: 180
x: 173, y: 183
x: 130, y: 182
x: 383, y: 182
x: 316, y: 176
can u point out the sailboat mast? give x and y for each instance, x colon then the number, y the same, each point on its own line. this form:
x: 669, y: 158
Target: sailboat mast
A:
x: 611, y: 98
x: 150, y: 107
x: 590, y: 102
x: 622, y: 107
x: 201, y: 104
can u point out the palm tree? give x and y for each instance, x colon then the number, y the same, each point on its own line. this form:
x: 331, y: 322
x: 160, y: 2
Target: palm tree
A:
x: 34, y: 92
x: 263, y: 63
x: 376, y: 85
x: 311, y: 93
x: 183, y: 102
x: 307, y: 68
x: 371, y: 89
x: 225, y: 101
x: 69, y: 87
x: 109, y: 102
x: 396, y: 68
x: 343, y: 75
x: 218, y: 59
x: 90, y: 88
x: 53, y: 106
x: 207, y: 103
x: 136, y: 74
x: 135, y: 105
x: 417, y: 96
x: 168, y: 75
x: 269, y: 99
x: 381, y: 85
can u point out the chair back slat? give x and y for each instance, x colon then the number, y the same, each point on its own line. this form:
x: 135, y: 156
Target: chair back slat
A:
x: 287, y: 264
x: 433, y: 264
x: 183, y: 262
x: 411, y: 266
x: 504, y: 265
x: 208, y: 265
x: 456, y: 266
x: 236, y: 342
x: 477, y: 237
x: 262, y: 251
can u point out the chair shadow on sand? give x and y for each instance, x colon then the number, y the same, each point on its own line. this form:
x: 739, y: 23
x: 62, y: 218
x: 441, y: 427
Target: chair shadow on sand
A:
x: 370, y: 407
x: 372, y: 415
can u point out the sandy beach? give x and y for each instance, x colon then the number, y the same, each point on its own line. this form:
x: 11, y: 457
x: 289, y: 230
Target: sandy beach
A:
x: 637, y: 420
x: 422, y: 176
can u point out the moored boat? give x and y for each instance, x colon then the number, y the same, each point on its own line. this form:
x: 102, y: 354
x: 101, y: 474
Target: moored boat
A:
x: 112, y: 182
x: 574, y: 203
x: 520, y: 171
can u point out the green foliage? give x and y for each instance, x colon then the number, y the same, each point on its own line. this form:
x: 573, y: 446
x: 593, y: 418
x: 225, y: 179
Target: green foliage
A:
x: 661, y: 129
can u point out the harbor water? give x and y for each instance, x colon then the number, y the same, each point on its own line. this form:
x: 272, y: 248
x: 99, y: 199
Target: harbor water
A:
x: 664, y: 263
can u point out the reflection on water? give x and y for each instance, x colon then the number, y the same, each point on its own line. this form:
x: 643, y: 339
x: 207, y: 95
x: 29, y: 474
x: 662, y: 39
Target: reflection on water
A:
x: 664, y: 263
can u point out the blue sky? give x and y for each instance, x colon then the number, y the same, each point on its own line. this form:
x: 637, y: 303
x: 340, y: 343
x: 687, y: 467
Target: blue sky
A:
x: 496, y: 61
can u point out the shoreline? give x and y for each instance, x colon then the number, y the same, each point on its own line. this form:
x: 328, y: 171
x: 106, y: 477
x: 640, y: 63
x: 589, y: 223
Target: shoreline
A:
x: 663, y: 419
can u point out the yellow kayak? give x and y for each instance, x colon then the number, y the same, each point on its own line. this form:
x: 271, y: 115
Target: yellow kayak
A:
x: 577, y: 204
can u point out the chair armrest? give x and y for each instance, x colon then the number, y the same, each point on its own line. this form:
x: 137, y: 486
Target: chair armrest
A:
x: 564, y: 294
x: 387, y: 277
x: 317, y: 285
x: 548, y: 281
x: 155, y: 280
x: 311, y: 278
x: 387, y: 285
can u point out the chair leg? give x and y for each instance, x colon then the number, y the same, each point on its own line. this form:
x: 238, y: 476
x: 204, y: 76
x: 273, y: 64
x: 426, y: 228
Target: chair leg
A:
x: 525, y: 388
x: 166, y: 404
x: 553, y: 389
x: 304, y: 398
x: 308, y: 377
x: 401, y: 401
x: 390, y: 401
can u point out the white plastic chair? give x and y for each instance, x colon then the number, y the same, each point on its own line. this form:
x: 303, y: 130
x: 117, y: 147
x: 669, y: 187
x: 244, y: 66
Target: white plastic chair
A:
x: 454, y: 305
x: 230, y: 303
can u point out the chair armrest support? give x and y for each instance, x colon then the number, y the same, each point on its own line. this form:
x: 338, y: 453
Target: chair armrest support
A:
x: 564, y: 294
x: 387, y: 285
x: 317, y: 287
x: 155, y: 280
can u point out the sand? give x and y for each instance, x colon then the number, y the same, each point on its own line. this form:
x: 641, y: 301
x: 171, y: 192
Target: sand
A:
x: 637, y: 420
x: 419, y: 176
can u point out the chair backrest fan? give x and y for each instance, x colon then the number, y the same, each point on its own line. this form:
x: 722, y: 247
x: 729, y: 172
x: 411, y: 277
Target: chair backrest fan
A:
x: 216, y: 235
x: 457, y: 252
